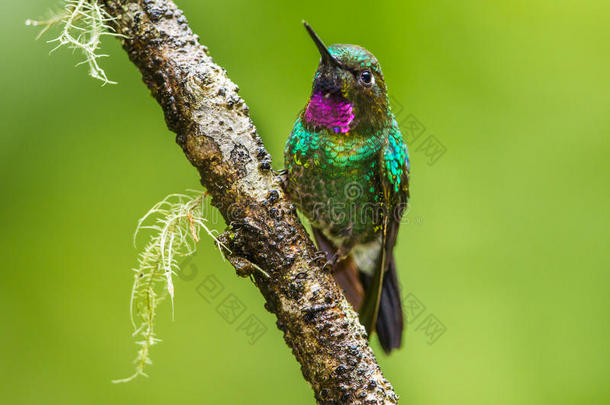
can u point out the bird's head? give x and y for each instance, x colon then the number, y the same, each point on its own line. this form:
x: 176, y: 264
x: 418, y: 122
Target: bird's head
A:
x: 348, y: 89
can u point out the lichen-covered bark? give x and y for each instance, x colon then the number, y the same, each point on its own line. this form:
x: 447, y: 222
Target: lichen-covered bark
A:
x: 213, y: 128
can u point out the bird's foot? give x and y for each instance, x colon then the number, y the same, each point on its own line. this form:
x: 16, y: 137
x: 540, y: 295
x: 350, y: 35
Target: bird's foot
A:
x: 320, y: 258
x: 282, y: 175
x: 339, y: 255
x: 331, y: 263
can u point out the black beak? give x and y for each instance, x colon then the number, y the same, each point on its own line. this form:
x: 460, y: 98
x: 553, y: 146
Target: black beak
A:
x: 327, y: 58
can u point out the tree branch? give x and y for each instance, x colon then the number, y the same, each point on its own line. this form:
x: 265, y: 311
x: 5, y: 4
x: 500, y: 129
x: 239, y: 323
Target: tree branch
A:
x: 213, y: 128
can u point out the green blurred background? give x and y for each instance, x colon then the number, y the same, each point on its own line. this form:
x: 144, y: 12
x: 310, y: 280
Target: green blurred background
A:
x: 507, y: 244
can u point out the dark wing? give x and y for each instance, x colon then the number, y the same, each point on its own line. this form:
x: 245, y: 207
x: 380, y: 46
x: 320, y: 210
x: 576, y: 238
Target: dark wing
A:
x: 395, y: 181
x: 394, y: 178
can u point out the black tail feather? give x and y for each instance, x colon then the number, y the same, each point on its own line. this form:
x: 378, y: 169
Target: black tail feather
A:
x: 390, y: 319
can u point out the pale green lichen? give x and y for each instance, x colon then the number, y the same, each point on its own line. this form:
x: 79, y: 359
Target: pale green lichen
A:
x: 83, y: 24
x: 175, y: 222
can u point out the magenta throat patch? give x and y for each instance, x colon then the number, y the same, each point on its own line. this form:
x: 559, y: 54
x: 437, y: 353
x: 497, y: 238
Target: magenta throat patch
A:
x: 332, y: 112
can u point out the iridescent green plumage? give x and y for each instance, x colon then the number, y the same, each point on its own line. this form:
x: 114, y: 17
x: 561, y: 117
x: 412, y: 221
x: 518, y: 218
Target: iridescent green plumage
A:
x: 342, y: 172
x: 348, y: 169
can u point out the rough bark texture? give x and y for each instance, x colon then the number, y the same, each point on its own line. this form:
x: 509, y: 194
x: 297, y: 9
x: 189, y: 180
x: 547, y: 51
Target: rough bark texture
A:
x: 213, y: 128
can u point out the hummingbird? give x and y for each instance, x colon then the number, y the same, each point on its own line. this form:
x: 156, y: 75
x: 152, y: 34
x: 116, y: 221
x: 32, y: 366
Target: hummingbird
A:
x: 347, y: 170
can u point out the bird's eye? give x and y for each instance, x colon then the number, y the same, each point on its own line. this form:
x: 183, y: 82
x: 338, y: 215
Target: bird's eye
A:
x: 366, y: 77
